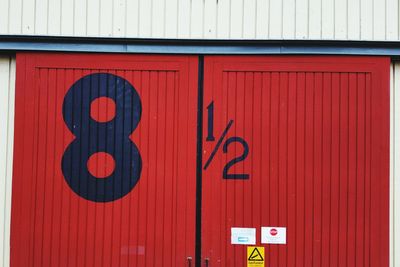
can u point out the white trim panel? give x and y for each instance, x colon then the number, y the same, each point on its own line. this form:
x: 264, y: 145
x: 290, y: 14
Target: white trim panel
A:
x: 395, y: 166
x: 7, y: 99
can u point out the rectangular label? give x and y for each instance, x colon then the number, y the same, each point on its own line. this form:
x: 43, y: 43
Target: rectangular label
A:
x: 243, y: 236
x: 273, y: 235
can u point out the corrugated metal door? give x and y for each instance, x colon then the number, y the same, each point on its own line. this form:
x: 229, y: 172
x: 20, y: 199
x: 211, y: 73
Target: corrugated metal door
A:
x: 105, y: 160
x: 301, y: 143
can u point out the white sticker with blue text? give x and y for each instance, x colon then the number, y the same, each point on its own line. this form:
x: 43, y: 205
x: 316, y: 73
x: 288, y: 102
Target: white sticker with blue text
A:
x: 243, y: 236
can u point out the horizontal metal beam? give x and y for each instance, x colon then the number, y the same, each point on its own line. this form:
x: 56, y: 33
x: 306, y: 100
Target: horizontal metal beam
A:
x: 189, y: 46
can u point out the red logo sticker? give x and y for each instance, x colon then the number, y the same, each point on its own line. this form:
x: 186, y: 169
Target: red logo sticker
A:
x: 273, y: 232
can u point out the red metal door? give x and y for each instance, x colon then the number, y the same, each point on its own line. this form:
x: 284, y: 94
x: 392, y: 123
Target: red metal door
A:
x: 306, y: 148
x: 105, y: 160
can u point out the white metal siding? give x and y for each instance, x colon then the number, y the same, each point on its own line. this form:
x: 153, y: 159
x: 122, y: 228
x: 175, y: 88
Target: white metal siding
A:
x: 209, y: 19
x: 7, y: 93
x: 395, y: 165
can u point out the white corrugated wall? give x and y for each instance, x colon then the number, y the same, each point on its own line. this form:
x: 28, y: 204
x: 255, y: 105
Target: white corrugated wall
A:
x: 7, y: 93
x: 226, y: 19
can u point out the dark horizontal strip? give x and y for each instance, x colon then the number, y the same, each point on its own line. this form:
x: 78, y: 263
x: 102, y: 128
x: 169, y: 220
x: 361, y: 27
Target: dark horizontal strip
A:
x: 10, y: 43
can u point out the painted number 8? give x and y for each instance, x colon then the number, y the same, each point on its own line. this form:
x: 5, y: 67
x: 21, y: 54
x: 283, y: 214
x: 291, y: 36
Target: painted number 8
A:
x: 111, y: 137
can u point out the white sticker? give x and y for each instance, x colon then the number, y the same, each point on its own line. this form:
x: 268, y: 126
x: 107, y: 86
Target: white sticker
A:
x: 243, y: 236
x: 273, y: 235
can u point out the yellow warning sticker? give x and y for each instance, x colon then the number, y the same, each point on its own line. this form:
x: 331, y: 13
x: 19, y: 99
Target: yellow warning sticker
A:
x: 255, y: 257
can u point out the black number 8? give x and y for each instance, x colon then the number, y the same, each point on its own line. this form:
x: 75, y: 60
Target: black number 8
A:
x: 111, y: 137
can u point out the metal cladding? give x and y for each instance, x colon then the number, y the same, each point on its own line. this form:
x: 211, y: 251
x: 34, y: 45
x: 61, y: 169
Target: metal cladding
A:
x: 150, y: 160
x: 75, y: 206
x: 308, y: 150
x: 209, y: 19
